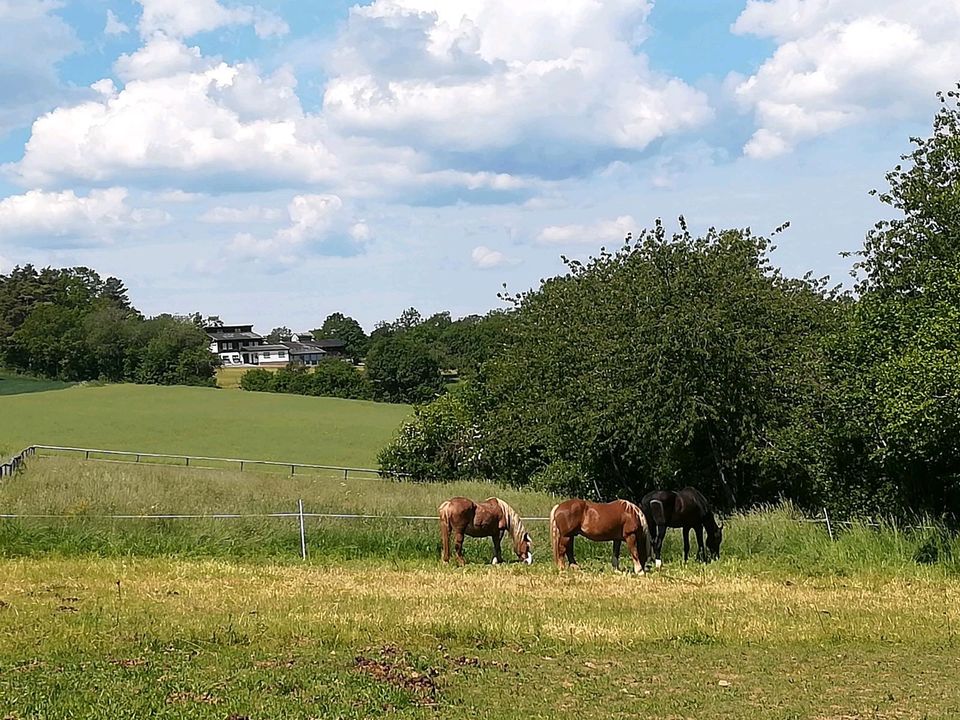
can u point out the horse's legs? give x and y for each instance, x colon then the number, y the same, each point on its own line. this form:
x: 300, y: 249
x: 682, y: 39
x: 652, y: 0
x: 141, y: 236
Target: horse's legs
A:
x: 616, y: 554
x: 701, y: 550
x: 497, y: 558
x: 445, y: 540
x: 458, y: 546
x: 634, y: 553
x: 571, y: 560
x: 686, y: 544
x: 660, y: 532
x: 561, y: 550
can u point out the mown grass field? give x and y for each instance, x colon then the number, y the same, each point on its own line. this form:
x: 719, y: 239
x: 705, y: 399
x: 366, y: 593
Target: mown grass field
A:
x: 221, y: 619
x: 202, y: 421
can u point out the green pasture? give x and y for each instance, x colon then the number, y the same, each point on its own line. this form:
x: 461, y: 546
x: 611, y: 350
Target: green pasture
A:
x: 201, y: 421
x: 134, y: 638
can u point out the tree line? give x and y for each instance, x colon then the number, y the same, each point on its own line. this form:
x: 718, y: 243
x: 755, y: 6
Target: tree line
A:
x: 408, y: 360
x: 689, y: 359
x: 71, y: 324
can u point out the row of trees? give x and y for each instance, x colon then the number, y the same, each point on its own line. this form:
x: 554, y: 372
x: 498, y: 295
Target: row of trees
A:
x: 407, y: 360
x: 680, y: 359
x: 71, y: 324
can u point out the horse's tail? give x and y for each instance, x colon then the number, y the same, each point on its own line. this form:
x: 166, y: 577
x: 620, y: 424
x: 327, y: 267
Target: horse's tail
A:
x: 443, y: 511
x: 657, y: 514
x: 555, y: 534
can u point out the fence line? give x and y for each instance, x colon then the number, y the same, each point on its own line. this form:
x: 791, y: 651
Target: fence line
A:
x: 12, y: 465
x: 8, y: 469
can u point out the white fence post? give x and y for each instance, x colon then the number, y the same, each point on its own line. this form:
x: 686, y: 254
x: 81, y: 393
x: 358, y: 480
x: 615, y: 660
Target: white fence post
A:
x: 303, y: 534
x: 829, y: 526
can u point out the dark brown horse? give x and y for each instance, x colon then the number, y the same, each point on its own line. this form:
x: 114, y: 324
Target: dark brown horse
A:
x: 687, y: 509
x: 490, y: 518
x: 619, y: 521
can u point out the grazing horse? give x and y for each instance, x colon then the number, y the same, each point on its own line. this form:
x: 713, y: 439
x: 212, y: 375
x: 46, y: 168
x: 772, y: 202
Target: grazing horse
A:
x: 687, y: 509
x: 490, y: 518
x: 619, y: 521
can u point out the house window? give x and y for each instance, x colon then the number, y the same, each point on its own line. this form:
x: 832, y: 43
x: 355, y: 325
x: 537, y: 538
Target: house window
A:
x: 266, y: 354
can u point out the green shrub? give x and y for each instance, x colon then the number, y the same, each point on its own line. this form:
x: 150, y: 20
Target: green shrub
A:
x: 440, y: 442
x: 563, y: 477
x: 256, y: 380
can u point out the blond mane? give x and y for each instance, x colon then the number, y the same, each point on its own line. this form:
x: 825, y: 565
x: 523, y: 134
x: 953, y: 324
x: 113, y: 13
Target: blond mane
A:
x: 514, y: 524
x: 642, y: 519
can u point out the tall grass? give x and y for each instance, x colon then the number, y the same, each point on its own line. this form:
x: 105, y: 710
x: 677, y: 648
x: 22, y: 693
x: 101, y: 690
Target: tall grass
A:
x: 775, y: 539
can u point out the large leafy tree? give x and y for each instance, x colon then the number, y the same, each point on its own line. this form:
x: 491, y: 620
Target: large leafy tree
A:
x: 403, y: 369
x: 897, y: 366
x: 338, y: 326
x: 674, y: 360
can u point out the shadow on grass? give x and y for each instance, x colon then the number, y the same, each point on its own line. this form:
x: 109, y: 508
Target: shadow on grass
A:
x: 11, y: 384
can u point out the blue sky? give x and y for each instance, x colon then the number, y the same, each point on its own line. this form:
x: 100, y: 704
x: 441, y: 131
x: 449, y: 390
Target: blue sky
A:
x: 274, y: 162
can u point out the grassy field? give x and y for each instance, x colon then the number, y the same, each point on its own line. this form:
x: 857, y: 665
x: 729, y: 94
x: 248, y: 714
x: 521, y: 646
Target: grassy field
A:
x: 126, y: 638
x: 202, y: 421
x: 221, y: 619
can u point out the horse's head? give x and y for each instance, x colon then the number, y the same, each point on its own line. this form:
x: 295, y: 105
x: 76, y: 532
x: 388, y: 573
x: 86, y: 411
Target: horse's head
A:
x: 713, y: 541
x: 524, y: 549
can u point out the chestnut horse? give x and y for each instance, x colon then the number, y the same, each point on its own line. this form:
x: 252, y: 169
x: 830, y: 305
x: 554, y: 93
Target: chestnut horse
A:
x: 619, y: 521
x: 490, y: 518
x: 687, y: 509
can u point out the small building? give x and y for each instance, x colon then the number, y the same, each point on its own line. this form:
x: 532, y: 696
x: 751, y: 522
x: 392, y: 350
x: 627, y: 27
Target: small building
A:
x: 306, y: 352
x: 230, y: 341
x: 302, y: 337
x: 265, y: 354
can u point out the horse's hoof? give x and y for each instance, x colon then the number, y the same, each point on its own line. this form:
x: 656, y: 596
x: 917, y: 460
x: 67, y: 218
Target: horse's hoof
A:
x: 659, y: 563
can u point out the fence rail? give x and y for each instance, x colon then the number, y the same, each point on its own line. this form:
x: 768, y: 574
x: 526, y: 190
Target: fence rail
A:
x: 9, y: 468
x: 199, y: 461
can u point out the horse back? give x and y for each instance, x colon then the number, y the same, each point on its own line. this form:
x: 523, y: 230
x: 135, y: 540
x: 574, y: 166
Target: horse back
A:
x: 693, y: 498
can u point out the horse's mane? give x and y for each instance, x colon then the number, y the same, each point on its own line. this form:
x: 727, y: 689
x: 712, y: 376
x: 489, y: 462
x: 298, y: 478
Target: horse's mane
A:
x: 514, y: 523
x: 642, y: 519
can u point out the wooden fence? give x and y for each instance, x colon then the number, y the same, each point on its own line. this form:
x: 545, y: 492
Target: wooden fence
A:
x: 10, y: 467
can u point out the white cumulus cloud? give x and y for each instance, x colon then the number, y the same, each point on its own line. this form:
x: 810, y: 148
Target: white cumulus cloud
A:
x: 190, y: 124
x: 530, y: 81
x: 605, y: 231
x: 55, y: 216
x: 841, y: 63
x: 183, y: 18
x: 485, y: 258
x: 115, y: 26
x: 311, y: 218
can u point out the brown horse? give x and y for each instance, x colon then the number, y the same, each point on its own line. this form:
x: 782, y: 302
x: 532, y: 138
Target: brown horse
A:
x: 618, y: 521
x: 490, y: 518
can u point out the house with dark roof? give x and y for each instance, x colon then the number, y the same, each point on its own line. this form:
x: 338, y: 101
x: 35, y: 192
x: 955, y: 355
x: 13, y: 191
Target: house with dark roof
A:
x: 231, y: 341
x: 240, y: 345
